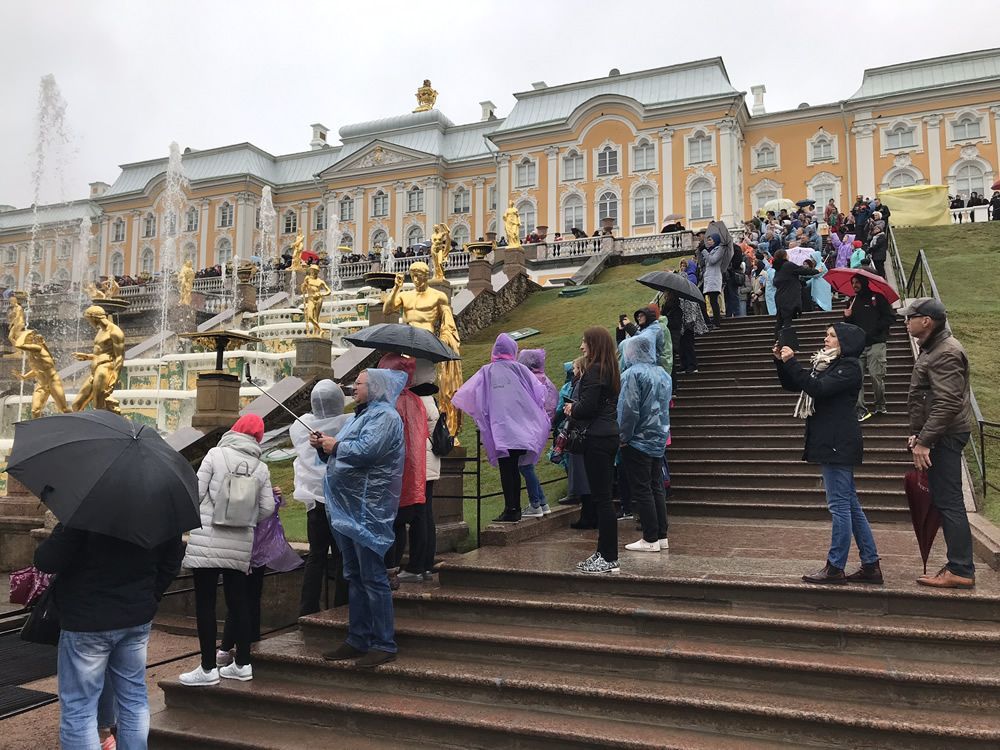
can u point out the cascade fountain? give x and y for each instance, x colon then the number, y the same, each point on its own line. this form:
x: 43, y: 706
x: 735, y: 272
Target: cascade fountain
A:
x: 171, y: 209
x: 79, y: 270
x: 268, y: 219
x: 333, y: 250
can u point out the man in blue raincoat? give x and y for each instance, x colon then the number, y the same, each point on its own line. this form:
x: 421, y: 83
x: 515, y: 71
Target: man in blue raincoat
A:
x: 363, y: 479
x: 643, y: 425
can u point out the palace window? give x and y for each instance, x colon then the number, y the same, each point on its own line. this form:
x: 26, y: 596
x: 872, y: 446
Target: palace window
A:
x: 643, y: 157
x: 381, y: 239
x: 644, y: 206
x: 149, y: 226
x: 900, y: 136
x: 36, y: 253
x: 969, y: 179
x: 966, y: 128
x: 191, y: 253
x: 822, y: 149
x: 414, y: 236
x: 347, y: 209
x: 146, y: 261
x: 823, y: 193
x: 702, y: 196
x: 526, y: 210
x: 291, y: 222
x: 573, y: 214
x: 607, y: 207
x: 763, y: 196
x: 607, y: 161
x: 226, y: 214
x: 10, y: 256
x: 256, y: 218
x: 117, y: 264
x: 767, y: 158
x: 699, y: 148
x: 224, y: 253
x: 491, y: 198
x: 347, y: 240
x: 118, y: 230
x: 191, y: 222
x: 573, y: 166
x: 461, y: 236
x: 902, y: 179
x: 380, y: 204
x: 64, y: 249
x: 461, y: 201
x: 414, y: 200
x: 319, y: 218
x: 524, y: 173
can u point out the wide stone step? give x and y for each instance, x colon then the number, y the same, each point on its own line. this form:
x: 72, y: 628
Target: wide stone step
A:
x: 809, y: 342
x: 872, y: 429
x: 740, y: 507
x: 895, y: 402
x: 749, y: 474
x: 762, y: 385
x: 766, y: 415
x: 739, y: 451
x: 738, y: 355
x: 767, y: 489
x: 715, y: 367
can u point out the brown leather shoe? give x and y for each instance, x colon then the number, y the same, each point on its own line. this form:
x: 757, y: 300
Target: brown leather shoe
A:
x: 828, y: 574
x: 945, y: 579
x: 867, y: 574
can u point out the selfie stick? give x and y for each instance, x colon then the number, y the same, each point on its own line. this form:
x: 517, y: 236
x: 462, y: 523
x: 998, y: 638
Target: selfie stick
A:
x: 246, y: 370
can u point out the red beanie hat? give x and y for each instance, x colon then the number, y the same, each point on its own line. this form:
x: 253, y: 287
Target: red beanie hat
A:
x: 250, y: 424
x: 858, y: 243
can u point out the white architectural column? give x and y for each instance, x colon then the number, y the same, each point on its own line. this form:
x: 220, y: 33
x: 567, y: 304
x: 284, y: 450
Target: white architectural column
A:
x: 245, y: 211
x: 865, y: 158
x: 551, y: 199
x: 503, y: 185
x: 360, y: 239
x: 103, y: 243
x: 398, y: 210
x: 933, y: 123
x: 996, y: 136
x: 478, y: 208
x: 133, y: 264
x: 728, y: 152
x: 203, y: 257
x: 666, y: 172
x: 432, y: 201
x: 330, y: 204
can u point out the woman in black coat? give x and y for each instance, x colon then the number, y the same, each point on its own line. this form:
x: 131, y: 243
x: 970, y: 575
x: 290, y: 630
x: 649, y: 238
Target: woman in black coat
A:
x: 788, y: 289
x: 829, y: 392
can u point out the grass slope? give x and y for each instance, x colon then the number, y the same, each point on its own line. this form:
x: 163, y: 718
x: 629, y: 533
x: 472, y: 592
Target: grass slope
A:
x: 965, y: 260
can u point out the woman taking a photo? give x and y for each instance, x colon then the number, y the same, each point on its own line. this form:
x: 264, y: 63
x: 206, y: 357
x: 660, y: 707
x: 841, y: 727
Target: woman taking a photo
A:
x: 595, y: 412
x: 829, y: 391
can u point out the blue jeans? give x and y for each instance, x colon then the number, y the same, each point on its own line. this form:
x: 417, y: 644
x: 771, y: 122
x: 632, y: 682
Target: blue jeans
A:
x: 536, y: 496
x: 848, y: 517
x: 84, y: 661
x: 369, y: 599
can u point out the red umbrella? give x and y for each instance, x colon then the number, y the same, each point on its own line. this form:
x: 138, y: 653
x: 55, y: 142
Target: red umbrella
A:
x: 995, y: 185
x: 309, y: 256
x: 840, y: 280
x: 925, y: 517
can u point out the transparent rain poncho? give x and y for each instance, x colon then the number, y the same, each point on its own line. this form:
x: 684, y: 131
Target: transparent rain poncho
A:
x: 327, y: 416
x: 644, y: 401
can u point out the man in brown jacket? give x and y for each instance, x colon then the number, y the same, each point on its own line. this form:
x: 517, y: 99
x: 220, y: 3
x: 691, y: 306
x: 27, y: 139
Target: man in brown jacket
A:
x: 940, y: 412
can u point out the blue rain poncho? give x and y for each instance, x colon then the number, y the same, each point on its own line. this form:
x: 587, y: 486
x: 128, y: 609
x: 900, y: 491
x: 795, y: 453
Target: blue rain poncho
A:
x: 644, y: 401
x: 819, y: 288
x: 769, y: 290
x: 364, y: 479
x: 327, y: 416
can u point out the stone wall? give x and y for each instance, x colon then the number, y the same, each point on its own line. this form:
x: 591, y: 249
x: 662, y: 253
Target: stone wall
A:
x: 488, y: 306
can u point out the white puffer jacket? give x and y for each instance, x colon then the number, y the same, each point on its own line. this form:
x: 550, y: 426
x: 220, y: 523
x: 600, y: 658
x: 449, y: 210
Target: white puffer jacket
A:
x: 227, y: 547
x: 433, y: 461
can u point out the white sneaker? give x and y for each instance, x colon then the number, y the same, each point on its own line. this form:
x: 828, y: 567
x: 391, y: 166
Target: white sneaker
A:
x: 235, y: 672
x: 546, y: 509
x: 199, y: 676
x: 643, y: 546
x: 406, y: 576
x: 664, y: 544
x: 533, y: 512
x: 222, y: 658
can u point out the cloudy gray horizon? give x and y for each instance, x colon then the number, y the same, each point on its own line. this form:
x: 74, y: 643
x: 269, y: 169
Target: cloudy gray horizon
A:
x: 136, y: 76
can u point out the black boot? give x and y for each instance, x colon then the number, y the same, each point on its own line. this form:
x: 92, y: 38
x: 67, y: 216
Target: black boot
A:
x: 828, y: 574
x: 870, y: 573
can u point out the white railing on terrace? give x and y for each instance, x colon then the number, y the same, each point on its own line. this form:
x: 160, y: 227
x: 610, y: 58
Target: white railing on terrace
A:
x: 976, y: 213
x: 647, y: 244
x: 456, y: 260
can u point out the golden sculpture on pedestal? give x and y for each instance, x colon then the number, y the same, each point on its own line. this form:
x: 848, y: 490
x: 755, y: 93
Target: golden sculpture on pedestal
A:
x: 297, y: 252
x: 512, y: 225
x: 15, y: 319
x: 185, y: 282
x: 42, y: 371
x: 106, y: 362
x: 110, y: 288
x: 426, y: 96
x: 430, y: 309
x: 440, y: 247
x: 313, y: 290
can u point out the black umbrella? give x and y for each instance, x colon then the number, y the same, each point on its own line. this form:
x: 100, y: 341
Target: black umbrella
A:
x: 725, y: 239
x: 395, y: 337
x: 805, y: 202
x: 100, y: 472
x: 674, y: 282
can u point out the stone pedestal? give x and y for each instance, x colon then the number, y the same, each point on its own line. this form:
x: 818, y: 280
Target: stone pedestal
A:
x: 246, y: 297
x: 376, y: 316
x: 513, y: 262
x: 217, y: 402
x: 449, y: 507
x: 20, y: 512
x: 313, y: 358
x: 480, y: 276
x: 443, y: 286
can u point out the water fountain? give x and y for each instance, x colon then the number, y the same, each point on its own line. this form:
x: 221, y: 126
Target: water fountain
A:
x: 84, y: 238
x: 333, y: 251
x: 171, y: 208
x: 268, y: 219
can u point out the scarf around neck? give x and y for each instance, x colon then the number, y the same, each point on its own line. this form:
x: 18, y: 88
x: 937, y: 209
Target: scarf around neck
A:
x: 821, y: 360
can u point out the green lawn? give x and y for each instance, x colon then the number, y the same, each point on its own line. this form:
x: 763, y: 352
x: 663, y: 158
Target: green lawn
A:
x: 964, y: 261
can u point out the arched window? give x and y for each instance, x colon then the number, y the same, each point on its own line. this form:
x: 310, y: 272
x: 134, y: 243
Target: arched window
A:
x: 191, y: 253
x: 149, y: 226
x: 492, y: 226
x: 901, y: 179
x: 699, y: 148
x: 291, y: 222
x: 65, y: 249
x: 644, y: 206
x: 461, y: 236
x: 414, y: 200
x: 573, y: 214
x: 607, y: 207
x: 118, y: 230
x: 191, y: 222
x: 526, y: 211
x: 607, y: 161
x: 34, y: 279
x: 822, y: 148
x: 966, y: 128
x: 318, y: 247
x: 461, y: 201
x: 7, y: 281
x: 380, y: 203
x: 91, y: 274
x: 224, y: 252
x: 969, y: 178
x: 525, y: 173
x: 380, y: 239
x: 347, y: 209
x: 491, y: 198
x: 823, y: 192
x: 414, y: 236
x: 171, y: 224
x: 766, y: 157
x: 573, y: 166
x: 117, y: 264
x: 900, y: 136
x: 347, y: 240
x: 643, y: 156
x: 319, y: 218
x: 36, y: 252
x: 146, y: 260
x: 702, y: 197
x: 226, y: 214
x: 61, y: 276
x: 256, y: 218
x: 10, y: 256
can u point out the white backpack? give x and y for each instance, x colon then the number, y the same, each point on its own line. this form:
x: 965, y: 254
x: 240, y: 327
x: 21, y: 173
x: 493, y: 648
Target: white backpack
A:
x: 236, y: 503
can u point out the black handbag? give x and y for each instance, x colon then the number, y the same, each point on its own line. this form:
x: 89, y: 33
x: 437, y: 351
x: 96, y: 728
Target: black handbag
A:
x: 442, y: 441
x: 42, y: 625
x: 576, y: 437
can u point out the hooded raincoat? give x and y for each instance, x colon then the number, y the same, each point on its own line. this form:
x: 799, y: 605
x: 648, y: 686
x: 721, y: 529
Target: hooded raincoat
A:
x: 364, y: 478
x: 534, y: 360
x: 644, y: 402
x: 327, y: 416
x: 819, y: 288
x: 411, y: 409
x: 508, y: 405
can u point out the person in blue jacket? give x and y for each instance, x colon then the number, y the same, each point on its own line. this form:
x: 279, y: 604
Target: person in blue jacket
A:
x: 643, y: 426
x: 363, y: 481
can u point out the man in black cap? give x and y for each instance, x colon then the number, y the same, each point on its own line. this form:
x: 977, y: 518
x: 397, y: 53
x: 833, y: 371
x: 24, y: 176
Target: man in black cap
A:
x: 940, y: 410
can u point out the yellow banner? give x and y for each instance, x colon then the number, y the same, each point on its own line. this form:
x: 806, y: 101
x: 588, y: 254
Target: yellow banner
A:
x: 917, y: 205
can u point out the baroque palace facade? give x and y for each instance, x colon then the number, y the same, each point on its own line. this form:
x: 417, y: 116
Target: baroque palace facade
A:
x: 636, y: 147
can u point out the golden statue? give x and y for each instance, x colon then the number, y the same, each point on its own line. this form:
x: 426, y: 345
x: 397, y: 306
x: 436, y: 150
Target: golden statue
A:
x: 430, y: 309
x: 110, y: 288
x: 105, y: 362
x: 512, y: 225
x: 297, y: 252
x: 313, y: 290
x: 92, y: 291
x: 426, y: 96
x: 43, y: 372
x: 185, y: 282
x: 15, y: 319
x: 440, y: 247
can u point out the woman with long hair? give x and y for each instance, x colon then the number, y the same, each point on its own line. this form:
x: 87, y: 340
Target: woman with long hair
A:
x: 595, y: 411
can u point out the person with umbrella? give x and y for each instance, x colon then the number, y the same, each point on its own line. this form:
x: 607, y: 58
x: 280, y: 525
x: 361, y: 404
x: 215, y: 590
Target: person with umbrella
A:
x: 872, y: 313
x: 788, y: 289
x: 833, y: 440
x: 940, y: 411
x: 714, y: 257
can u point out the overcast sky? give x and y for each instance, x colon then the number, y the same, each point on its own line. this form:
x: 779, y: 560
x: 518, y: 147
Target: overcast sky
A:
x: 139, y: 74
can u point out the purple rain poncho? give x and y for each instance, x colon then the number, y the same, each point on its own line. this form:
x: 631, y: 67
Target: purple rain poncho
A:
x: 534, y: 360
x: 270, y: 548
x: 508, y: 405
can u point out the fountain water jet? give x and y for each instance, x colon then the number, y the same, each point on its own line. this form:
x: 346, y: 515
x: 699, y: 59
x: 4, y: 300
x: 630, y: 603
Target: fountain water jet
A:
x: 171, y: 205
x: 268, y: 219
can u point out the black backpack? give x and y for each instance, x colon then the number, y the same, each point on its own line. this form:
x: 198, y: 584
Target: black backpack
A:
x: 442, y: 442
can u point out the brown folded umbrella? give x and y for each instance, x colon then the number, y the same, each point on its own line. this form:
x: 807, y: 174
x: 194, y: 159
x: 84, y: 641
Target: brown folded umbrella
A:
x: 925, y: 517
